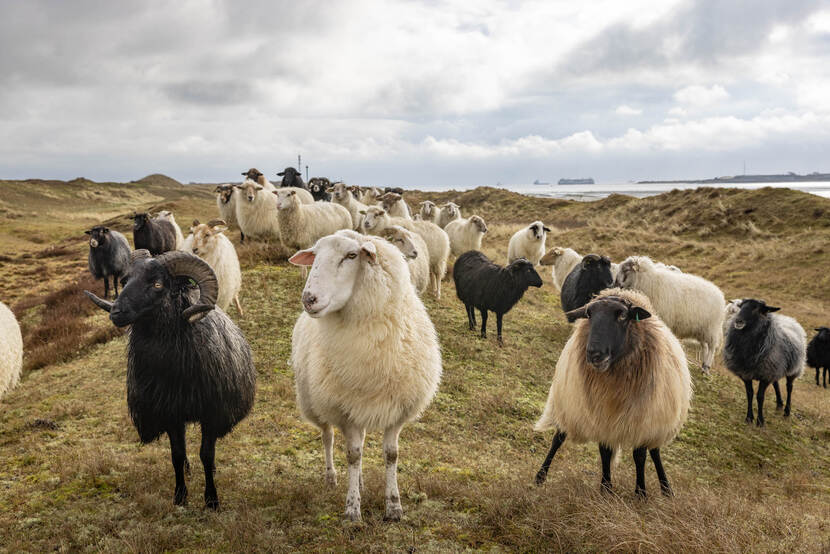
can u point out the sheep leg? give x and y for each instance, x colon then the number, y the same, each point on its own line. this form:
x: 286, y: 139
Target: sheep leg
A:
x: 824, y: 378
x: 354, y: 454
x: 238, y: 305
x: 437, y: 287
x: 471, y: 320
x: 178, y: 452
x: 818, y: 369
x: 707, y: 362
x: 241, y: 237
x: 394, y: 511
x: 558, y: 439
x: 207, y: 453
x: 115, y: 285
x: 748, y: 384
x: 789, y: 395
x: 483, y: 324
x: 665, y: 488
x: 606, y: 453
x: 762, y: 389
x: 106, y: 286
x: 640, y: 465
x: 328, y: 446
x: 498, y: 329
x: 779, y: 402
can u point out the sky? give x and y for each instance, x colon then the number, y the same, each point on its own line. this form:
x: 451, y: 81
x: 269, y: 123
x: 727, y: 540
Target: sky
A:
x: 409, y: 93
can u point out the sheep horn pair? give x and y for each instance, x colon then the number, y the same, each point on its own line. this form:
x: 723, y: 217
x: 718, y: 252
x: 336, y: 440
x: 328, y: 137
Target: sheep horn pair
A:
x: 184, y: 264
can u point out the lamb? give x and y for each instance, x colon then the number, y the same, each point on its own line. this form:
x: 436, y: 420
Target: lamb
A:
x: 585, y: 281
x: 465, y: 234
x: 226, y: 204
x: 168, y: 216
x: 376, y: 220
x: 109, y: 256
x: 11, y: 350
x: 341, y: 195
x: 364, y: 352
x: 449, y: 212
x: 301, y: 225
x: 156, y: 235
x: 415, y: 251
x: 429, y: 211
x: 764, y: 347
x: 622, y: 381
x: 691, y: 306
x: 818, y: 353
x: 208, y: 242
x: 395, y: 205
x: 187, y: 362
x: 479, y: 283
x: 563, y: 261
x: 528, y: 243
x: 292, y: 178
x: 318, y: 186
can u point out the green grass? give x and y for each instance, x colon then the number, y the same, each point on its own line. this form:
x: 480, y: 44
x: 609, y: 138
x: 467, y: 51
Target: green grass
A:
x: 74, y: 477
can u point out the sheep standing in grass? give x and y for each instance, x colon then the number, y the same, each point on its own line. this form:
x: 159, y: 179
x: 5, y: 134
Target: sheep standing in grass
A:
x: 764, y: 347
x: 563, y: 261
x: 186, y: 361
x: 11, y: 350
x: 395, y: 205
x: 156, y: 235
x: 167, y: 215
x: 365, y: 353
x: 256, y: 211
x: 430, y: 212
x: 209, y: 243
x: 415, y: 251
x: 340, y: 194
x: 465, y: 234
x: 691, y: 306
x: 586, y: 280
x: 109, y: 256
x: 528, y: 243
x: 818, y: 353
x: 479, y: 283
x: 376, y: 221
x: 226, y: 204
x: 449, y: 212
x: 622, y: 381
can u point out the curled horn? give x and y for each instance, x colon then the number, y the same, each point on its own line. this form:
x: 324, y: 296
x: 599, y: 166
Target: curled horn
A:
x: 140, y: 254
x: 215, y: 222
x: 101, y: 303
x: 183, y: 264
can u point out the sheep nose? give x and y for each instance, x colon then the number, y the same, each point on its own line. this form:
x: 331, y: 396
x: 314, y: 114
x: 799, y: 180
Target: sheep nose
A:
x: 309, y: 299
x: 596, y: 356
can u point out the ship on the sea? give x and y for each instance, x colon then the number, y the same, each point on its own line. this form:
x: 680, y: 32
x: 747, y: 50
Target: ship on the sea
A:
x: 578, y: 181
x: 538, y: 182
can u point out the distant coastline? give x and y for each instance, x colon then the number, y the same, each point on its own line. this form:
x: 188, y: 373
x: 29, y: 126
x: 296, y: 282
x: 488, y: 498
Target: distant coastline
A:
x: 781, y: 178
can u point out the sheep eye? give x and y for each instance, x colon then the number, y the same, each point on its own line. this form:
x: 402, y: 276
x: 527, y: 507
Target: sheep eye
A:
x: 622, y: 316
x: 157, y: 284
x: 351, y: 255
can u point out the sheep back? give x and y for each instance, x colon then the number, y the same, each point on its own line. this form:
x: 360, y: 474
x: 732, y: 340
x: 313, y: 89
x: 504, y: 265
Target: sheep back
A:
x: 11, y: 350
x: 465, y: 235
x: 768, y: 353
x: 302, y: 225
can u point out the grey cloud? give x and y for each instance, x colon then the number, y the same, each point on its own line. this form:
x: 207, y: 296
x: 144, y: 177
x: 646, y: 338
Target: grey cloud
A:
x: 211, y: 93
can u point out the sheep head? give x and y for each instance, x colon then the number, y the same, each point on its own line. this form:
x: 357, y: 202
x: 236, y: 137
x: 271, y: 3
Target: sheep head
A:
x: 140, y: 220
x: 751, y: 314
x: 551, y: 256
x: 524, y: 273
x: 286, y: 198
x: 204, y: 235
x: 253, y: 174
x: 98, y: 236
x: 399, y: 236
x: 373, y: 217
x: 538, y: 230
x: 249, y: 189
x: 479, y: 223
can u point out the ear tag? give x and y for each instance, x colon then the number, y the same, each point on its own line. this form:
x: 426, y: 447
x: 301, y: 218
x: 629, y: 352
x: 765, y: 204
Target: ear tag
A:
x: 636, y: 316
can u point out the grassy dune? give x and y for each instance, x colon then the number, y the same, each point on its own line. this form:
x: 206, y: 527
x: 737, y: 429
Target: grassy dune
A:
x: 74, y: 477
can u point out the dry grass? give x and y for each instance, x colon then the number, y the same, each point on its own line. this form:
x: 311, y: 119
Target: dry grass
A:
x: 74, y: 478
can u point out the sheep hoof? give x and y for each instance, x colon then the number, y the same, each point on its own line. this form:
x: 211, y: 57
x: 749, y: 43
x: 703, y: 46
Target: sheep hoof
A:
x: 786, y: 412
x: 331, y: 478
x: 779, y: 406
x: 706, y: 369
x: 667, y: 491
x: 641, y: 493
x: 541, y: 477
x: 211, y: 502
x: 180, y: 497
x: 759, y: 422
x: 749, y: 419
x: 352, y: 513
x: 500, y: 342
x: 606, y: 487
x: 394, y: 512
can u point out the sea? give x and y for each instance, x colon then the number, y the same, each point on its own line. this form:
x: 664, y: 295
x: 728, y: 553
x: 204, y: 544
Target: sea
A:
x: 588, y: 193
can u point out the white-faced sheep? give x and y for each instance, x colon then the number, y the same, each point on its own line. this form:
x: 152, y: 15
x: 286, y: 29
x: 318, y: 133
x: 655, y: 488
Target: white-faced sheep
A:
x: 465, y: 234
x: 563, y: 261
x: 429, y: 211
x: 376, y: 220
x: 364, y: 352
x: 109, y: 256
x: 415, y: 251
x: 449, y: 212
x: 764, y: 347
x: 340, y: 194
x: 256, y: 210
x: 528, y: 243
x: 301, y: 225
x: 11, y: 350
x: 167, y: 215
x: 209, y: 243
x: 691, y: 306
x: 395, y: 205
x: 226, y: 196
x: 621, y: 381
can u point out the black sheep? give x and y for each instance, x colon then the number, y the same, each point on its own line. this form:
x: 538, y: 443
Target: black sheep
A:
x: 396, y: 190
x: 109, y: 256
x: 317, y: 186
x: 479, y: 283
x: 186, y: 362
x: 818, y: 353
x: 291, y: 178
x: 156, y: 235
x: 585, y: 281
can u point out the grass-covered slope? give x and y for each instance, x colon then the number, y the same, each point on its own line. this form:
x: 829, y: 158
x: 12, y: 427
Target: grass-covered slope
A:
x: 73, y: 476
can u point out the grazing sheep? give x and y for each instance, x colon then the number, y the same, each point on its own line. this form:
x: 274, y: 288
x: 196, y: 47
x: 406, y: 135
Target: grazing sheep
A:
x: 429, y: 211
x: 341, y: 194
x: 364, y: 352
x: 764, y: 347
x: 465, y: 234
x: 818, y: 353
x: 395, y: 205
x: 479, y: 283
x: 622, y: 381
x: 208, y: 242
x: 258, y: 177
x: 156, y: 235
x: 449, y: 212
x: 109, y: 256
x: 585, y: 281
x: 11, y: 350
x: 528, y: 243
x: 691, y: 306
x: 415, y: 251
x: 291, y: 178
x: 563, y: 261
x: 376, y: 220
x: 318, y: 186
x: 168, y: 216
x: 301, y: 225
x: 226, y: 204
x: 186, y: 361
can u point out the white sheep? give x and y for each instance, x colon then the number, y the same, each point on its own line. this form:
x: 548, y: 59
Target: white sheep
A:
x: 256, y: 209
x: 365, y: 353
x: 168, y: 215
x: 207, y: 241
x: 465, y: 234
x: 340, y: 194
x: 528, y: 242
x: 730, y: 311
x: 430, y: 212
x: 691, y: 306
x: 370, y: 196
x: 301, y: 225
x: 226, y: 196
x: 449, y: 212
x: 11, y: 350
x: 395, y: 205
x: 376, y: 220
x: 563, y: 261
x: 415, y: 251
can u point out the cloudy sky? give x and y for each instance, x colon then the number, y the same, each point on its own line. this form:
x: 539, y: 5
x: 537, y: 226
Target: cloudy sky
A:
x: 414, y: 92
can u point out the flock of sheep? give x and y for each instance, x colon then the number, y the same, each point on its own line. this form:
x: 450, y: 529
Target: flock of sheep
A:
x: 365, y: 353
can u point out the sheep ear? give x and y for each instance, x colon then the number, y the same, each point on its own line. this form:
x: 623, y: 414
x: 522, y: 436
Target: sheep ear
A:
x: 369, y: 252
x: 546, y: 229
x: 219, y: 228
x: 281, y: 174
x: 767, y: 309
x: 303, y: 257
x: 330, y: 190
x: 362, y: 212
x: 579, y: 313
x: 637, y: 313
x: 105, y: 230
x: 259, y: 187
x: 87, y: 232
